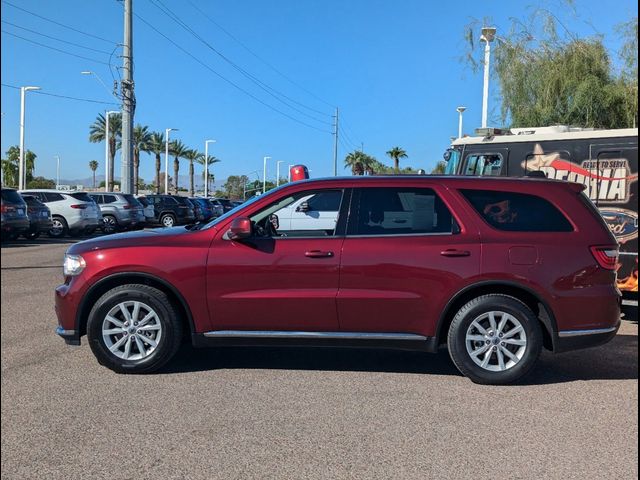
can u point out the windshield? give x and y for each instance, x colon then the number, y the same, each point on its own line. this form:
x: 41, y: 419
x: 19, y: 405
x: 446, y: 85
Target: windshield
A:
x: 452, y: 162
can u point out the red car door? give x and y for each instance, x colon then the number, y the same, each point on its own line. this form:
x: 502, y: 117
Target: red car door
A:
x: 404, y: 255
x: 279, y: 280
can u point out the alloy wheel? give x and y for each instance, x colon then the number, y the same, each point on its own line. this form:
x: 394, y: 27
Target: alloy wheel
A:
x: 496, y: 341
x: 131, y: 330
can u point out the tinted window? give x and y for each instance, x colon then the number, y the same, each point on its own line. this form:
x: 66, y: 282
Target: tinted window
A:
x: 400, y: 211
x: 144, y: 201
x: 109, y: 198
x: 169, y: 200
x: 96, y: 198
x: 517, y: 212
x: 52, y: 197
x: 131, y: 200
x: 483, y: 164
x: 82, y: 196
x: 31, y: 201
x: 325, y: 202
x: 11, y: 196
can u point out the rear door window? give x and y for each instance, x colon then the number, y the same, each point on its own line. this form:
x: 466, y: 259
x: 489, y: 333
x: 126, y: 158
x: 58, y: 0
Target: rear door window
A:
x: 109, y: 199
x: 399, y: 211
x: 517, y: 212
x: 81, y: 196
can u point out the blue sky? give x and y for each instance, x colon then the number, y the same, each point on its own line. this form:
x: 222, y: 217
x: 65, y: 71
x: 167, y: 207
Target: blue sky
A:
x: 392, y: 68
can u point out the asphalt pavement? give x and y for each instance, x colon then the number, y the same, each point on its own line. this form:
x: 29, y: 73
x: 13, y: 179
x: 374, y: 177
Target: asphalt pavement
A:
x: 266, y: 413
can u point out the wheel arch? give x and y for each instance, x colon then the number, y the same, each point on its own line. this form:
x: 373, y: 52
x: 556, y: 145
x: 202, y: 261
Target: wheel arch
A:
x: 122, y: 278
x: 529, y: 297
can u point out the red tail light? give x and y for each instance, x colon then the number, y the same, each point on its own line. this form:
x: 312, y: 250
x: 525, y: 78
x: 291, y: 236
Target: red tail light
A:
x: 80, y: 206
x: 127, y: 207
x: 6, y: 208
x: 606, y: 256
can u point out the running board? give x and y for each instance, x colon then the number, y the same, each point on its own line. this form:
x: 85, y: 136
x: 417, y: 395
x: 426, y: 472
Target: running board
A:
x: 313, y: 335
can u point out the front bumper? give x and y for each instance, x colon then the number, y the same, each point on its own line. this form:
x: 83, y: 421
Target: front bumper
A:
x: 70, y: 337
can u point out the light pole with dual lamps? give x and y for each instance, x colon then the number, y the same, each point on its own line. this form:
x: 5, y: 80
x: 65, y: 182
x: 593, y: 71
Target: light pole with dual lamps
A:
x: 488, y: 35
x: 166, y: 159
x: 22, y: 168
x: 206, y: 167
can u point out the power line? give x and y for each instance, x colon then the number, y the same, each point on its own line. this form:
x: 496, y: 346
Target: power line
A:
x: 58, y: 23
x: 346, y: 137
x: 55, y: 38
x: 53, y: 48
x: 269, y: 90
x: 258, y: 56
x: 67, y: 97
x: 249, y: 94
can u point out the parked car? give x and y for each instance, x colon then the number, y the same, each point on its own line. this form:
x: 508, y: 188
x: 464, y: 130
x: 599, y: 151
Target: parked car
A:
x: 496, y: 269
x: 224, y: 203
x: 14, y: 217
x: 149, y: 212
x: 119, y: 211
x: 73, y: 213
x: 203, y: 209
x: 40, y: 220
x: 171, y: 210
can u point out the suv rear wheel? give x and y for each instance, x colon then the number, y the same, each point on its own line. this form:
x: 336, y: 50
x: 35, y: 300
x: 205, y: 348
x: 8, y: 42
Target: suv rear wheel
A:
x: 168, y: 220
x: 59, y: 228
x: 109, y: 224
x: 134, y: 329
x: 495, y: 339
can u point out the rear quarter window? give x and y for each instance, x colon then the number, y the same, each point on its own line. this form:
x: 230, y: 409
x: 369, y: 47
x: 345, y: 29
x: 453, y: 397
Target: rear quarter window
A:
x: 517, y: 212
x: 82, y: 196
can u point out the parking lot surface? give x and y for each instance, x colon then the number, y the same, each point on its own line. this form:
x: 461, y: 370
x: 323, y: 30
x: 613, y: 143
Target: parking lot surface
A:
x: 298, y: 413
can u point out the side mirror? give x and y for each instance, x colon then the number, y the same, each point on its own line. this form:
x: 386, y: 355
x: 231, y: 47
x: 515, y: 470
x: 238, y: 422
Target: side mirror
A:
x: 240, y: 228
x: 303, y: 207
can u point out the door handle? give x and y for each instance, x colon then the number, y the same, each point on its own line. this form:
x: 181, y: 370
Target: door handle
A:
x: 318, y: 254
x: 455, y: 253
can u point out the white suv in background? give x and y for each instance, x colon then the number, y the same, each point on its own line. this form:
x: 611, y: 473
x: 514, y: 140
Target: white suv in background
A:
x: 73, y: 213
x: 311, y: 212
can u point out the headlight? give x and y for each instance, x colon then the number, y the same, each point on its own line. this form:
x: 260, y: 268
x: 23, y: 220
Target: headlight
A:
x: 73, y: 264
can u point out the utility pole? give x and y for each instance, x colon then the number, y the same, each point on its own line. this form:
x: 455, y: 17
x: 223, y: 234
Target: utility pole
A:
x: 335, y: 145
x: 128, y: 103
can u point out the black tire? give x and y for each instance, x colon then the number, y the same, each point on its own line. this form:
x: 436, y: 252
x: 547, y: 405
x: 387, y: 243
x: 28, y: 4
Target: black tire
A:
x: 31, y: 235
x: 60, y: 227
x: 169, y: 320
x: 110, y: 224
x: 475, y: 309
x: 168, y: 220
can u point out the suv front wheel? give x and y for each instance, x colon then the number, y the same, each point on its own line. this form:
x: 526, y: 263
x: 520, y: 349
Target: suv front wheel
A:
x: 495, y: 339
x: 134, y: 329
x: 168, y: 220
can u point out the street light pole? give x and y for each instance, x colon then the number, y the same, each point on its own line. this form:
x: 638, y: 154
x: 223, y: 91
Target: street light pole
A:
x: 460, y: 110
x: 278, y: 172
x: 57, y: 171
x: 264, y: 175
x: 206, y: 167
x: 22, y: 168
x: 488, y: 34
x: 166, y: 159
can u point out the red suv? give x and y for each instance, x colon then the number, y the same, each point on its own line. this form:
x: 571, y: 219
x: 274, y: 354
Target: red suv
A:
x: 494, y: 268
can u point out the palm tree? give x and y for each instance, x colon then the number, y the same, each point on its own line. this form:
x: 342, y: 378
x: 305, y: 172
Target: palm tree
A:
x: 178, y: 150
x: 93, y: 165
x: 141, y: 139
x: 210, y: 161
x: 156, y: 146
x: 97, y: 134
x: 191, y: 155
x: 10, y: 166
x: 358, y: 162
x: 396, y: 153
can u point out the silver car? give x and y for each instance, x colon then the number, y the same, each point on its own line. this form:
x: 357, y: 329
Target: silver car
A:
x: 73, y: 213
x: 119, y: 211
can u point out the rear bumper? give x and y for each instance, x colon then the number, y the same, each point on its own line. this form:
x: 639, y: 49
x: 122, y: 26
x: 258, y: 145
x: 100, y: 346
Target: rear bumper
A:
x: 578, y: 339
x: 15, y: 225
